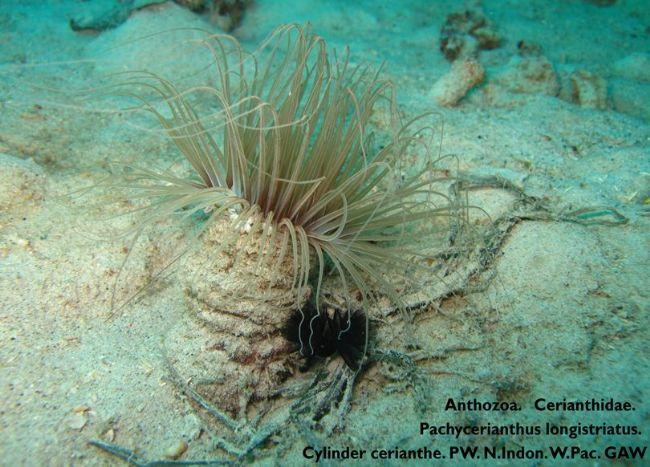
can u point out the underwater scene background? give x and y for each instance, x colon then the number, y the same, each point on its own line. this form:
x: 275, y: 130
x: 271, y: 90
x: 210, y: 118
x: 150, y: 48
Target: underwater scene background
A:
x: 513, y: 328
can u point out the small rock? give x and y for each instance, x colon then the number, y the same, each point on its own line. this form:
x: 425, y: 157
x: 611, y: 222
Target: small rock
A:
x: 76, y: 421
x: 452, y: 87
x: 635, y: 66
x: 529, y: 75
x: 176, y: 450
x: 228, y: 14
x: 464, y: 33
x: 586, y: 89
x: 106, y: 428
x: 99, y: 16
x: 631, y: 97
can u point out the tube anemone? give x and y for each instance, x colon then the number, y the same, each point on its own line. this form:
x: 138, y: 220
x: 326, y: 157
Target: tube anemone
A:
x: 287, y: 181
